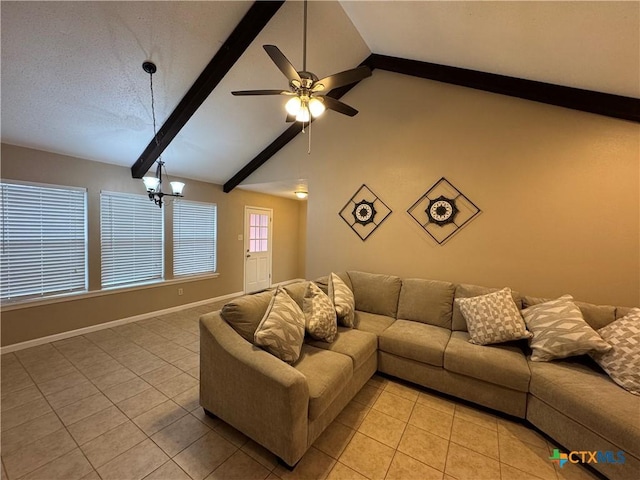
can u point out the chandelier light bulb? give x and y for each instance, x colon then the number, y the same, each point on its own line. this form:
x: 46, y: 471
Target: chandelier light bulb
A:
x: 293, y: 106
x: 177, y: 188
x: 151, y: 183
x: 316, y: 106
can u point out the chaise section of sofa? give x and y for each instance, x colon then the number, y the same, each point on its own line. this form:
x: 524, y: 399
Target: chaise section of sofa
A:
x: 257, y: 393
x: 283, y: 407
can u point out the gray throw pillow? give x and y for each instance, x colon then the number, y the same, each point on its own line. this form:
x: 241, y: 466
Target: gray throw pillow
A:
x: 622, y: 362
x: 492, y: 318
x: 319, y: 314
x: 245, y: 313
x: 560, y: 331
x: 281, y: 331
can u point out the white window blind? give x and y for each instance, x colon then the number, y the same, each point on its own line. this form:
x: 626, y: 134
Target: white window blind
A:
x: 43, y: 240
x: 194, y: 237
x: 131, y: 238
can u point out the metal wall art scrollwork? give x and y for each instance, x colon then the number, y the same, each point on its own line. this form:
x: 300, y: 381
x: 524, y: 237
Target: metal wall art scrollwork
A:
x: 443, y: 210
x: 364, y: 212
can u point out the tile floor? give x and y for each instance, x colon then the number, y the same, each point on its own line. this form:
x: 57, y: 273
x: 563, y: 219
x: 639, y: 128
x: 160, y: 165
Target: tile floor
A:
x: 122, y: 403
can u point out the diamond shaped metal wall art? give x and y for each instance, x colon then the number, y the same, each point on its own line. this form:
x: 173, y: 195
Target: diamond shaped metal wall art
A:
x: 364, y: 212
x: 443, y: 210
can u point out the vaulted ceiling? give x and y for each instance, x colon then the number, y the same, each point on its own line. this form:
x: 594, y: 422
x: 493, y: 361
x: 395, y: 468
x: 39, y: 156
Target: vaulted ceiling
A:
x: 72, y: 81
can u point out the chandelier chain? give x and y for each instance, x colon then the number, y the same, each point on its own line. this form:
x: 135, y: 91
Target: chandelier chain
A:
x: 153, y: 112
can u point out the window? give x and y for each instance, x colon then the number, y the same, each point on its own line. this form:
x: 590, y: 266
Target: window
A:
x: 43, y: 240
x: 194, y: 237
x: 258, y: 233
x: 131, y: 237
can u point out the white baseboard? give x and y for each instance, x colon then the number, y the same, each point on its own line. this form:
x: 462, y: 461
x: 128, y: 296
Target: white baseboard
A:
x: 287, y: 282
x: 115, y: 323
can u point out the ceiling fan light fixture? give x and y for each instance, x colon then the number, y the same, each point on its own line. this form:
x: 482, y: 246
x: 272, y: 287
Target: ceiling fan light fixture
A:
x: 293, y: 105
x: 307, y: 91
x: 303, y: 115
x: 316, y: 106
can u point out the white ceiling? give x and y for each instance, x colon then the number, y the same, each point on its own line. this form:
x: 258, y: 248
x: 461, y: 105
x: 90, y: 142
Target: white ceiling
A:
x: 72, y: 81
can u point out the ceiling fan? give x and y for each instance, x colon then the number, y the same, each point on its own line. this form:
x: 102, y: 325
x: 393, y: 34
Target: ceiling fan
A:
x: 307, y: 92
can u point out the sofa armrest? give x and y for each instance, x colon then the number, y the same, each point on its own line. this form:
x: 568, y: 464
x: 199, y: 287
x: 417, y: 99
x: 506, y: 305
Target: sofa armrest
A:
x: 255, y: 392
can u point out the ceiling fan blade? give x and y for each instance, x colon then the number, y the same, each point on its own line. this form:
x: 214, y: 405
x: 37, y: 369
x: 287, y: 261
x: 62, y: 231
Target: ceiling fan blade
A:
x: 290, y: 118
x: 338, y: 106
x: 282, y: 63
x: 262, y: 92
x: 340, y: 79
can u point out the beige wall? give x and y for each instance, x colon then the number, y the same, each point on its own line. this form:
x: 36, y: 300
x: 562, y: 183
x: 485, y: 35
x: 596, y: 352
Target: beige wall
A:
x: 21, y: 324
x: 558, y: 189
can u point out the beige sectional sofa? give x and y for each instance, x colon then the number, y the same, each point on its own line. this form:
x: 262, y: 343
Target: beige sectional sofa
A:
x: 411, y: 329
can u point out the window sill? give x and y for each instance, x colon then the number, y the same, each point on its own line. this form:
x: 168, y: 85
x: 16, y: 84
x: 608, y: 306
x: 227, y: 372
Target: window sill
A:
x: 68, y: 297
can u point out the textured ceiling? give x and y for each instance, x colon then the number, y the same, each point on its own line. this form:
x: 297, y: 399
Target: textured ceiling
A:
x: 72, y: 80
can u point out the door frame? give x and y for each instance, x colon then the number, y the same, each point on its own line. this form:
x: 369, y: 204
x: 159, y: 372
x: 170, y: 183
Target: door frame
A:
x: 245, y: 247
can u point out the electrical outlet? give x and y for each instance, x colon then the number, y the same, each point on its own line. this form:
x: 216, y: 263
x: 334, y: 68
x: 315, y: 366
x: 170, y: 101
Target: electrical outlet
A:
x: 180, y: 291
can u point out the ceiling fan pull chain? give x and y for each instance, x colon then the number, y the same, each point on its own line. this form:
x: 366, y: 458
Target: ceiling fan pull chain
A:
x: 309, y: 149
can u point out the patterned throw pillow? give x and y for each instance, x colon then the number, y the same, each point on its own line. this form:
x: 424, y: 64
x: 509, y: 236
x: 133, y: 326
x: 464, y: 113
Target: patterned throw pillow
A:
x: 622, y: 362
x: 560, y: 331
x: 342, y: 298
x: 319, y: 314
x: 281, y: 331
x: 493, y: 318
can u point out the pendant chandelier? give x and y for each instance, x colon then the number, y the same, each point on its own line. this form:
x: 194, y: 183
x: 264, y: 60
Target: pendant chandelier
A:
x: 154, y: 184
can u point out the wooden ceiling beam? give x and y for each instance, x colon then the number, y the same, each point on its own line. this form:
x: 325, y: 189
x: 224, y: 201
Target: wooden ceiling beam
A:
x: 230, y: 51
x: 617, y: 106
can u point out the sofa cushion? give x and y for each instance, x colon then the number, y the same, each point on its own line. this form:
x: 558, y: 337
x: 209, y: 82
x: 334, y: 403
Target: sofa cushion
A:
x: 323, y: 282
x: 376, y: 293
x: 371, y: 322
x: 503, y: 364
x: 426, y: 301
x: 589, y: 397
x: 623, y: 311
x: 281, y: 331
x: 320, y: 314
x: 597, y: 316
x: 327, y: 373
x: 493, y: 318
x: 296, y: 291
x: 357, y: 344
x: 342, y: 297
x: 417, y: 341
x: 465, y: 291
x: 245, y: 313
x: 622, y: 362
x: 560, y: 331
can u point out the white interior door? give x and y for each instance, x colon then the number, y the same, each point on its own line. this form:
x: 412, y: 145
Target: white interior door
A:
x: 258, y: 225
